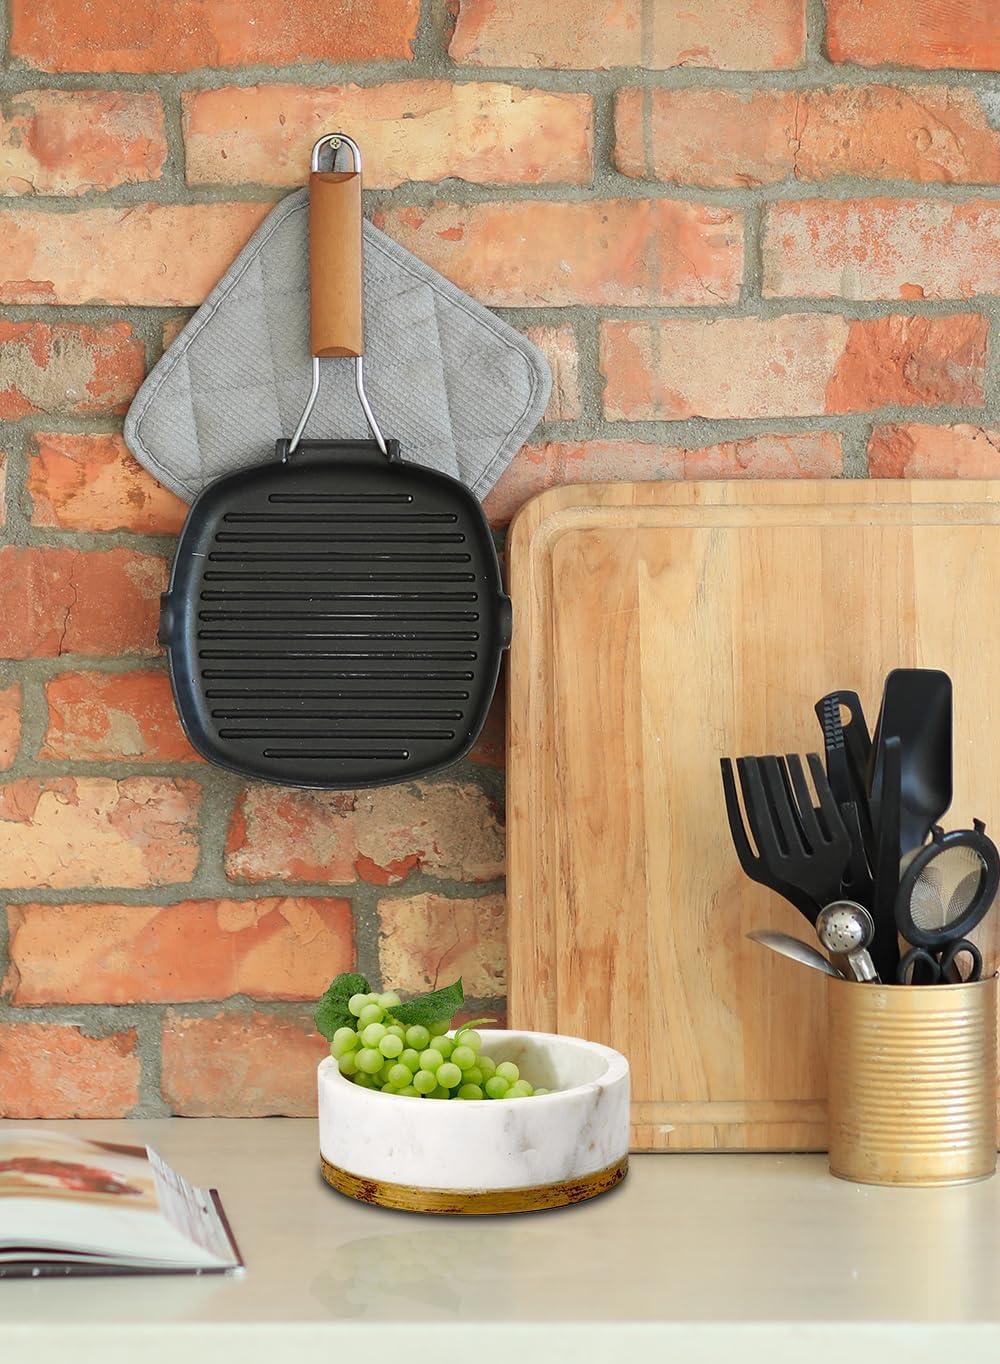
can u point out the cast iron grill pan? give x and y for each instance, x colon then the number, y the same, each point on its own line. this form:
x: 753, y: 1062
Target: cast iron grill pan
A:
x: 335, y: 618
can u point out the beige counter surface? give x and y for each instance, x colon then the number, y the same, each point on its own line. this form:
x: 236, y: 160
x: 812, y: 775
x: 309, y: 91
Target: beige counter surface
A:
x: 714, y: 1257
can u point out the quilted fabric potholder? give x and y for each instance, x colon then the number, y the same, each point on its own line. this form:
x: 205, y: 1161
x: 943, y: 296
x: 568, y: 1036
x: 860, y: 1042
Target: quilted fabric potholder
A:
x: 456, y: 386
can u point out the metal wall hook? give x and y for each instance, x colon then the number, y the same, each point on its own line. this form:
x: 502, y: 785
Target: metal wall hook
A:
x: 335, y: 141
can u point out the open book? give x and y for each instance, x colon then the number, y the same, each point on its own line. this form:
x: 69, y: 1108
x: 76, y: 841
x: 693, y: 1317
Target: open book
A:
x: 71, y: 1205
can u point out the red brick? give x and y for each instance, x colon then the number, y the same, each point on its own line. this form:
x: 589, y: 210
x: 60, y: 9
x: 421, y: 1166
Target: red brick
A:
x: 199, y: 949
x: 802, y: 364
x: 74, y: 141
x: 3, y: 489
x: 441, y: 828
x: 807, y: 454
x: 50, y: 1070
x: 152, y: 254
x: 94, y: 831
x: 733, y: 137
x: 10, y: 724
x: 74, y: 601
x: 927, y: 33
x: 742, y: 35
x: 486, y: 132
x: 94, y: 483
x: 490, y: 748
x: 619, y: 251
x: 917, y: 451
x: 559, y: 346
x: 113, y: 717
x: 429, y: 940
x: 240, y: 1066
x: 66, y: 368
x: 882, y: 248
x: 63, y: 35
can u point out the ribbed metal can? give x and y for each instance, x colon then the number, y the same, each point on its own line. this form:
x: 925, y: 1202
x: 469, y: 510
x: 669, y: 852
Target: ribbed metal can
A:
x: 913, y: 1082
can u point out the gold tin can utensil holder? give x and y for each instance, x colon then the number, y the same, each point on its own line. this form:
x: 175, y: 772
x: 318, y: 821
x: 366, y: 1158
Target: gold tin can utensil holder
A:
x: 913, y: 1082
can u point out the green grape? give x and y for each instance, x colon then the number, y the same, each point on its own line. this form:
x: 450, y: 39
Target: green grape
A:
x: 473, y: 1076
x: 440, y: 1093
x: 417, y: 1037
x: 508, y: 1071
x: 372, y: 997
x: 397, y: 1030
x: 389, y: 1000
x: 439, y: 1028
x: 399, y: 1075
x: 373, y: 1034
x: 520, y: 1089
x: 449, y: 1075
x: 464, y: 1058
x: 409, y: 1091
x: 390, y: 1046
x: 389, y: 1089
x: 431, y: 1059
x: 487, y: 1065
x: 445, y: 1045
x: 371, y: 1013
x: 468, y: 1037
x: 356, y: 1003
x: 346, y: 1036
x: 541, y: 1091
x: 348, y: 1064
x: 382, y: 1075
x: 365, y: 1081
x: 424, y: 1081
x: 369, y: 1060
x: 411, y: 1059
x: 497, y: 1087
x: 469, y: 1091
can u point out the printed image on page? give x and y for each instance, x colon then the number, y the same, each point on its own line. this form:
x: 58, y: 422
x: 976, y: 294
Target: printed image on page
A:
x: 48, y: 1165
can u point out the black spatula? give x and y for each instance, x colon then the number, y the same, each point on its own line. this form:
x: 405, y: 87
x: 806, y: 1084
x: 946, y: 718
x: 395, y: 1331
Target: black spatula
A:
x: 917, y: 708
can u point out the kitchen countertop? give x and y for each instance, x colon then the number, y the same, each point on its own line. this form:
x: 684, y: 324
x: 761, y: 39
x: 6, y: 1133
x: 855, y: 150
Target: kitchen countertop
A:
x: 720, y: 1257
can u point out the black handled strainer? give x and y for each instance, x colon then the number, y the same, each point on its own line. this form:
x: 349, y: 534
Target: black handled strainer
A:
x: 947, y: 887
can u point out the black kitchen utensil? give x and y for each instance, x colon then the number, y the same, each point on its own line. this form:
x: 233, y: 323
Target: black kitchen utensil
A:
x: 940, y: 970
x: 336, y: 618
x: 801, y: 849
x: 885, y: 946
x: 948, y: 887
x: 857, y: 880
x: 857, y: 748
x: 753, y: 863
x: 917, y: 706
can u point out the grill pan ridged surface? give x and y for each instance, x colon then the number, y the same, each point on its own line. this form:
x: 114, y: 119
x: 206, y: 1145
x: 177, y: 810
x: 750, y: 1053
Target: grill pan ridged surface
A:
x: 335, y: 621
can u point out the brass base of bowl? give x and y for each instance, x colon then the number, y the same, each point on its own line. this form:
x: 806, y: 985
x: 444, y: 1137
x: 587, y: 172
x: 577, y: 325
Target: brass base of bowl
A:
x: 475, y: 1202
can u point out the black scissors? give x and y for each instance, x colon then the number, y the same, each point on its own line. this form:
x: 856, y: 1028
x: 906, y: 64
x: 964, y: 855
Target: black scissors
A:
x: 943, y: 969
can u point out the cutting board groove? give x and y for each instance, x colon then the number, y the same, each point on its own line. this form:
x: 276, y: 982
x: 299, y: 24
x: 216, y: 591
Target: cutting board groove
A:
x: 659, y: 626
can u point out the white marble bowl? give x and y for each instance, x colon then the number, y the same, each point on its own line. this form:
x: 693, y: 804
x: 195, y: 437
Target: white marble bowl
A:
x: 491, y: 1155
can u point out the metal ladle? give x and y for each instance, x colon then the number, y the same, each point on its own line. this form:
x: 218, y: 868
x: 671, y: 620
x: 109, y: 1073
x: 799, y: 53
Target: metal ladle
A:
x: 846, y: 929
x: 793, y: 948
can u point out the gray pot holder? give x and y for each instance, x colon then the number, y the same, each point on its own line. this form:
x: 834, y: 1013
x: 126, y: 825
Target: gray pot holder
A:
x: 456, y: 386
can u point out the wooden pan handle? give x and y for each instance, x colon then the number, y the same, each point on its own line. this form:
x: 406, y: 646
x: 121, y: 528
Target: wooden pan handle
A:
x: 335, y: 319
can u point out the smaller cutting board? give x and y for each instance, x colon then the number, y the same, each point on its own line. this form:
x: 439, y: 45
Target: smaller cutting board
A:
x: 657, y: 628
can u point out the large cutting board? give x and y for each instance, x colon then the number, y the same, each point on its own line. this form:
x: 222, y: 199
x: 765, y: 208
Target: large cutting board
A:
x: 658, y: 626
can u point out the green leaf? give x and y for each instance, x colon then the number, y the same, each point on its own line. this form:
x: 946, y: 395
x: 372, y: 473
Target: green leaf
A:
x: 428, y: 1009
x: 332, y: 1011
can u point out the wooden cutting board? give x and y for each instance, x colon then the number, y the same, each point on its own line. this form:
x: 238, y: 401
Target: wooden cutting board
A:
x: 658, y: 627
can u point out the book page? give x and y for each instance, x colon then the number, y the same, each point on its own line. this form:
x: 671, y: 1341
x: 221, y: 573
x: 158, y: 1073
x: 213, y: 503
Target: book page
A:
x: 61, y: 1192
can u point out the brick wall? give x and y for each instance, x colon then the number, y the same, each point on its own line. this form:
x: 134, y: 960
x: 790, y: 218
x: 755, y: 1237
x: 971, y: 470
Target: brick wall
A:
x: 756, y: 238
